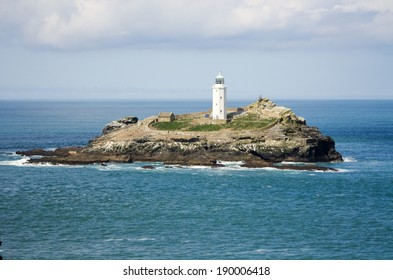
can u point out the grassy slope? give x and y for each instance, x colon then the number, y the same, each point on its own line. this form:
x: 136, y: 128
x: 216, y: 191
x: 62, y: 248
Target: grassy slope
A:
x: 246, y: 122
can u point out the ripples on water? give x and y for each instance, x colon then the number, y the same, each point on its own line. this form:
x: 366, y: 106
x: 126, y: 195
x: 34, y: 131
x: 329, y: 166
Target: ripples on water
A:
x: 122, y: 211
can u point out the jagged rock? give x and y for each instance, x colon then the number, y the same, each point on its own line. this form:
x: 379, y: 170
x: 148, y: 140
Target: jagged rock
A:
x: 115, y: 125
x: 60, y: 152
x: 148, y: 167
x: 215, y: 164
x: 35, y: 152
x: 304, y: 167
x: 76, y: 157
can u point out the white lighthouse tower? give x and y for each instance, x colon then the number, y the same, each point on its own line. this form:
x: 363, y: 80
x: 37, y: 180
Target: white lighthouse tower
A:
x: 219, y: 111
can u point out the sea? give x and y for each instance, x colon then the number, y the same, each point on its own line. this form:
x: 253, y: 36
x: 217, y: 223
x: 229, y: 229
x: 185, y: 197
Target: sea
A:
x: 125, y: 212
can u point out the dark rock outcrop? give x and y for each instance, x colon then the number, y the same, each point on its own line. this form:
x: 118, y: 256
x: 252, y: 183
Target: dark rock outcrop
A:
x: 118, y: 124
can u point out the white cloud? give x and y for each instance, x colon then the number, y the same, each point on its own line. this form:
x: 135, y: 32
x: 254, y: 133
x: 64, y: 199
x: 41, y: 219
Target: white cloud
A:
x: 76, y: 24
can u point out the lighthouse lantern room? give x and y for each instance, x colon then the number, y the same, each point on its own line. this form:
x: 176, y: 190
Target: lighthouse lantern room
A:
x: 219, y: 99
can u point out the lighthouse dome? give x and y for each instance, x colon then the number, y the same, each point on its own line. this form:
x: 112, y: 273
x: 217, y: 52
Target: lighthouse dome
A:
x: 219, y: 79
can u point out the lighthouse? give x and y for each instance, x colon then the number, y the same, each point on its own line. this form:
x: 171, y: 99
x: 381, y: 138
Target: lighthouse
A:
x: 219, y: 111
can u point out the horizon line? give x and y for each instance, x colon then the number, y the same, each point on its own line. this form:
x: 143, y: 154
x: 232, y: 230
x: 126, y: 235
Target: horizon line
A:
x: 183, y: 100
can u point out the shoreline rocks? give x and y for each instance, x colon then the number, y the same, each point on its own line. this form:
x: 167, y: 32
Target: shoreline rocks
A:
x: 286, y: 137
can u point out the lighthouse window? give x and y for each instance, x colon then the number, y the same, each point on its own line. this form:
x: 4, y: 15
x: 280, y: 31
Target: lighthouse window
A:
x: 220, y: 111
x: 220, y: 97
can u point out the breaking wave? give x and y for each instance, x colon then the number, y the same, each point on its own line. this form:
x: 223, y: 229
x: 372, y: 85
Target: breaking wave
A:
x: 19, y: 162
x: 157, y: 166
x: 349, y: 159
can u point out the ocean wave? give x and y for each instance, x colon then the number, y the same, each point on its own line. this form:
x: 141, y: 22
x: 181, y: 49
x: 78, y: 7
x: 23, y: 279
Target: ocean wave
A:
x: 230, y: 163
x: 337, y: 170
x: 19, y: 162
x: 272, y: 169
x: 349, y: 159
x: 296, y: 163
x: 234, y: 167
x: 146, y: 239
x: 342, y: 170
x: 24, y: 162
x: 228, y: 166
x: 108, y: 167
x: 141, y: 239
x: 196, y: 167
x: 11, y: 154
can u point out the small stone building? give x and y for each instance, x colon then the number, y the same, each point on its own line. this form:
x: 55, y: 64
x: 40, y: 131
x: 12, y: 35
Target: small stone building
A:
x: 165, y: 117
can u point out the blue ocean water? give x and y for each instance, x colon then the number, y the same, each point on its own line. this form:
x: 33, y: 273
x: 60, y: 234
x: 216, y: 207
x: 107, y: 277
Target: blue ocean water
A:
x: 125, y: 212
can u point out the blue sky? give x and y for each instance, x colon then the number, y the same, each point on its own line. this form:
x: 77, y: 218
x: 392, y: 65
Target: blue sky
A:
x: 150, y: 49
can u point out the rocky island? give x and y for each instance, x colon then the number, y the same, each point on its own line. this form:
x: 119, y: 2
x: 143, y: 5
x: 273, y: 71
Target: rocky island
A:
x: 261, y: 134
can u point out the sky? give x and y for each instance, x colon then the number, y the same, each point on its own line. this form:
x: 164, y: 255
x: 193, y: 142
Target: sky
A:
x: 173, y: 49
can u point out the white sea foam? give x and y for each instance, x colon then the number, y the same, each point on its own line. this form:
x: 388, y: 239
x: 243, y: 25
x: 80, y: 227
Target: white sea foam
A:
x: 312, y: 171
x: 228, y: 166
x: 342, y: 170
x: 19, y: 162
x: 296, y: 163
x: 108, y: 167
x: 197, y: 167
x: 130, y: 239
x: 320, y: 171
x: 47, y: 164
x: 146, y: 239
x: 230, y: 163
x: 24, y: 162
x: 349, y: 159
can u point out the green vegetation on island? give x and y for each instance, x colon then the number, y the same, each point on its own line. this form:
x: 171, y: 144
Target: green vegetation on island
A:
x: 245, y: 122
